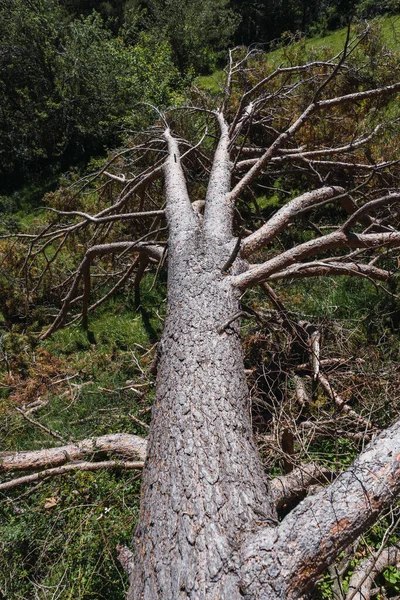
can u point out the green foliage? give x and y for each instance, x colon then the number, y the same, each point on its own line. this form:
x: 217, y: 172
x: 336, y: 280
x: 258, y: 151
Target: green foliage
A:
x: 392, y: 577
x: 266, y: 22
x: 352, y: 300
x: 197, y: 31
x: 213, y: 83
x: 67, y: 85
x: 71, y: 79
x: 367, y: 8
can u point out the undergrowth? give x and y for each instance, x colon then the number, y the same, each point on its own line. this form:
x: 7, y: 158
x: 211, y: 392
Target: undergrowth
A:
x: 58, y: 538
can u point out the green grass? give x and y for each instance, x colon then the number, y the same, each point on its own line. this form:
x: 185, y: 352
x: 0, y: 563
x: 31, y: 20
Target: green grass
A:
x: 70, y: 548
x: 67, y: 550
x: 213, y: 84
x: 333, y: 42
x: 93, y: 402
x: 344, y: 298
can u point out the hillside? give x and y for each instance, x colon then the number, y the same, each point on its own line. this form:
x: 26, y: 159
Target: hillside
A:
x: 332, y: 42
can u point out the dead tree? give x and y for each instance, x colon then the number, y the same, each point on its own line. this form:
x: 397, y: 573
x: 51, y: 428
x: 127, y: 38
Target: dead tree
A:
x: 208, y: 526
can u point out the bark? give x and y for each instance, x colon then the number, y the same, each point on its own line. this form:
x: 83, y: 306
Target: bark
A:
x: 332, y: 241
x: 203, y: 483
x: 288, y: 488
x: 280, y: 220
x: 283, y: 562
x: 218, y: 215
x: 121, y: 444
x: 208, y: 527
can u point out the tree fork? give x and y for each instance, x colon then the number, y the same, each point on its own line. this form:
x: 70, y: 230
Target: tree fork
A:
x: 208, y: 525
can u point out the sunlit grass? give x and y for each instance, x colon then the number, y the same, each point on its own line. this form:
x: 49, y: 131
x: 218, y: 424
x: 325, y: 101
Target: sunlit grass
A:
x: 332, y: 41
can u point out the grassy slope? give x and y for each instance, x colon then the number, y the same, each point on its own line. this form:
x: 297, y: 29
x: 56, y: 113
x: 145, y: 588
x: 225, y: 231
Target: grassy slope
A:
x: 334, y: 41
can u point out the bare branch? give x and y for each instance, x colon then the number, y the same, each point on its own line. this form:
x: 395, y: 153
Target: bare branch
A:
x: 288, y: 488
x: 126, y: 558
x: 256, y: 169
x: 301, y: 393
x: 319, y: 528
x: 52, y: 433
x: 83, y: 273
x: 287, y: 155
x: 99, y: 250
x: 335, y: 240
x: 272, y: 151
x: 370, y: 207
x: 340, y: 403
x: 315, y: 350
x: 109, y: 218
x: 279, y: 71
x: 280, y: 219
x: 321, y: 269
x: 237, y: 315
x: 179, y: 212
x: 127, y: 446
x: 325, y: 83
x: 358, y: 96
x: 233, y: 256
x: 83, y: 466
x: 218, y: 213
x: 362, y: 579
x: 138, y: 421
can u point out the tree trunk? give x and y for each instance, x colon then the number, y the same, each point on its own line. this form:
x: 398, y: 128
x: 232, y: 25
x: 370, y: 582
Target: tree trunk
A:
x: 203, y: 483
x: 207, y: 528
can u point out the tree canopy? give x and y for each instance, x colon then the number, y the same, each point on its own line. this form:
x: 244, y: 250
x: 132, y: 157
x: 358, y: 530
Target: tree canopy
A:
x: 72, y: 74
x: 69, y: 87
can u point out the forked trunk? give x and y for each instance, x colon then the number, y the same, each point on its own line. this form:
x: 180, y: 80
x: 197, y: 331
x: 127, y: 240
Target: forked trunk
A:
x: 203, y: 484
x: 207, y: 529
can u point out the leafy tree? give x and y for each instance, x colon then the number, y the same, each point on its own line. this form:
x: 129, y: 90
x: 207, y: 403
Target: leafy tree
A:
x: 29, y: 41
x: 67, y: 85
x: 111, y: 12
x: 197, y: 31
x: 265, y: 22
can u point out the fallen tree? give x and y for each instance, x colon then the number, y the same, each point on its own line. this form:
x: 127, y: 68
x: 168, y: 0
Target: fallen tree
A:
x: 208, y: 526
